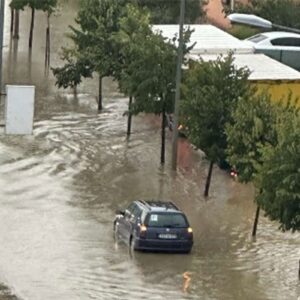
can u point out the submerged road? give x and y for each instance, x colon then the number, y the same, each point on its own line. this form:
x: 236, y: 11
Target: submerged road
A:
x: 59, y: 190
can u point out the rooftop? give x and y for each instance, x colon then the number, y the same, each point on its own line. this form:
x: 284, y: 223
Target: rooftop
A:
x: 261, y: 66
x: 207, y: 39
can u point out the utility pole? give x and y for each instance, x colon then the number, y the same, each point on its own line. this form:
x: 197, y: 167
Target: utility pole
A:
x: 2, y: 8
x: 178, y: 82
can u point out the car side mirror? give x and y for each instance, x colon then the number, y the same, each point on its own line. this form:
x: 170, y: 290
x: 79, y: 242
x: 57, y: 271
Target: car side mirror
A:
x: 120, y: 212
x: 127, y: 213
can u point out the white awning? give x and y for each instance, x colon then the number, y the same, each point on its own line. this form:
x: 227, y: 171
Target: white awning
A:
x: 261, y: 66
x: 207, y: 38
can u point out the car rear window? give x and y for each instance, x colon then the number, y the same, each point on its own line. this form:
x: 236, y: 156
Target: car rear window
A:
x: 172, y: 220
x: 257, y: 38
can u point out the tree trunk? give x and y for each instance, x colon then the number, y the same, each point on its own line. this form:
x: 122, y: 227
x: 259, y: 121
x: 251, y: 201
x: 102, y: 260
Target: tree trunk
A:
x: 47, y: 50
x: 129, y: 117
x: 31, y: 27
x: 100, y: 106
x: 208, y: 179
x: 17, y: 23
x: 163, y: 136
x: 47, y: 58
x: 12, y: 17
x: 255, y: 221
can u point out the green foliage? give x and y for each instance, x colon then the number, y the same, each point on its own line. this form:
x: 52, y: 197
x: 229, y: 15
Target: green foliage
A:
x: 18, y: 4
x: 252, y: 128
x: 98, y: 22
x: 211, y: 91
x: 47, y: 6
x: 76, y: 67
x: 278, y: 176
x: 264, y: 146
x: 134, y: 27
x: 282, y: 12
x: 149, y: 62
x: 93, y: 37
x: 150, y: 75
x: 168, y: 11
x: 44, y: 5
x: 242, y: 31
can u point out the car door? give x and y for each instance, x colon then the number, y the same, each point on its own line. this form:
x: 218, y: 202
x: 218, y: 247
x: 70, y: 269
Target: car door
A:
x: 131, y: 221
x: 123, y: 222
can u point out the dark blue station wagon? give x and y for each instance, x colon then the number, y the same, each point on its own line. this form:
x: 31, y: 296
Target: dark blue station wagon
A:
x: 154, y: 226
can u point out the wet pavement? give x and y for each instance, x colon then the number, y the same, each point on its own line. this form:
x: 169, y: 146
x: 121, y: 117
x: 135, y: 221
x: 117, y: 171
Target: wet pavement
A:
x: 60, y: 187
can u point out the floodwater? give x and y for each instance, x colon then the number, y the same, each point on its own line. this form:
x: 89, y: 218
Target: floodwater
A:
x: 59, y: 189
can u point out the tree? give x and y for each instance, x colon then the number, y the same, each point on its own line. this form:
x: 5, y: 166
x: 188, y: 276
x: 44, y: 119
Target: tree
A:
x: 210, y: 93
x: 253, y: 129
x: 45, y: 5
x: 75, y: 68
x: 134, y: 26
x: 278, y: 177
x: 93, y: 38
x: 150, y: 77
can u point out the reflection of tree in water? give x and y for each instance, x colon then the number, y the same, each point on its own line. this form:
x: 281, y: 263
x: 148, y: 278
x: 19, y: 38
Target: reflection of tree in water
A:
x: 184, y: 154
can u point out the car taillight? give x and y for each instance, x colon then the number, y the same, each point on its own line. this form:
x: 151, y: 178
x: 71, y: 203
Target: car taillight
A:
x: 143, y: 230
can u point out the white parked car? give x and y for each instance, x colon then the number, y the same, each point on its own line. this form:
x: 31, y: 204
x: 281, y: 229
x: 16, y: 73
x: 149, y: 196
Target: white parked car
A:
x: 279, y: 45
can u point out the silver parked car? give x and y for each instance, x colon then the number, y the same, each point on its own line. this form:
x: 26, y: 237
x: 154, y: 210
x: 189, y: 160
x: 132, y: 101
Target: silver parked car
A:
x: 279, y: 45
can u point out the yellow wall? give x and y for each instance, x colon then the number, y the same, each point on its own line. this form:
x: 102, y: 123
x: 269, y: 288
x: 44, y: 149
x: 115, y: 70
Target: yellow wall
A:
x: 278, y: 90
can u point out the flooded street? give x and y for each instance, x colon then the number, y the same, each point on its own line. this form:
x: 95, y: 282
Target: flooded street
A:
x: 60, y: 187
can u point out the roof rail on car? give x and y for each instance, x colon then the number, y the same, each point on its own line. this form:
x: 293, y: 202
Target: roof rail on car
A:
x: 144, y: 203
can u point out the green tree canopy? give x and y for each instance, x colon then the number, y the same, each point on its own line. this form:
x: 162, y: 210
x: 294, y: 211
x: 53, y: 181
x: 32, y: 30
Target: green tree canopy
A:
x: 168, y: 11
x: 134, y: 28
x: 75, y: 68
x: 44, y: 5
x: 251, y: 129
x: 98, y: 21
x: 282, y: 12
x: 211, y: 91
x: 278, y: 177
x: 18, y: 4
x: 94, y: 46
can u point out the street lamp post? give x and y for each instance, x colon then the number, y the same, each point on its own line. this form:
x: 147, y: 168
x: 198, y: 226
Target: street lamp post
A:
x: 178, y: 82
x: 2, y: 8
x: 256, y: 21
x: 232, y: 5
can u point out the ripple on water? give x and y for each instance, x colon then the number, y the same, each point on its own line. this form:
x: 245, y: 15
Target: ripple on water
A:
x: 59, y: 190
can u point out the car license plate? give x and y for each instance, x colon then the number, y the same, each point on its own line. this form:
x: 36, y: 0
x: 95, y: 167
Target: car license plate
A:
x: 167, y: 236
